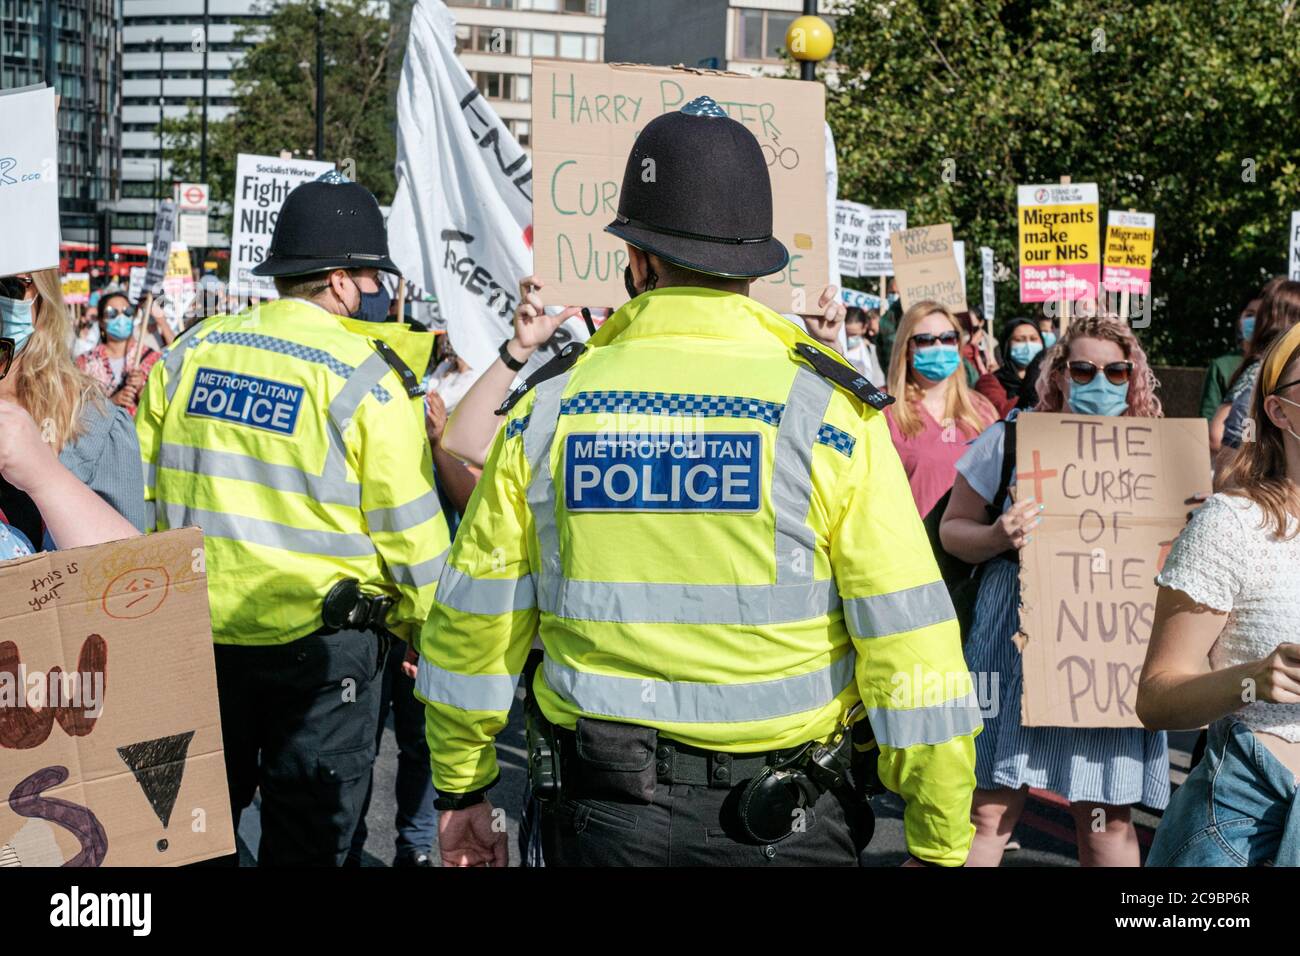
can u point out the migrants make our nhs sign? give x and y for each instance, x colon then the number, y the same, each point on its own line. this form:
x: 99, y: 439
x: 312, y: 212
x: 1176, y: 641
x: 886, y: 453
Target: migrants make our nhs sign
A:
x: 707, y: 471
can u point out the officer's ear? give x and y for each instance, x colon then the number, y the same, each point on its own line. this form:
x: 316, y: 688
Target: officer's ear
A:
x: 640, y: 264
x: 339, y: 286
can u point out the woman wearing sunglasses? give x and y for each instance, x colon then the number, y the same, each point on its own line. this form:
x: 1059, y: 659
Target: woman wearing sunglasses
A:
x: 1097, y: 368
x: 110, y: 362
x: 1225, y: 645
x: 937, y: 413
x: 92, y: 439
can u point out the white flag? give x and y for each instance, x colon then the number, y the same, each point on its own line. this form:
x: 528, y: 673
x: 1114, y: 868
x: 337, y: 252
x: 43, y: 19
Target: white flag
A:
x: 461, y: 225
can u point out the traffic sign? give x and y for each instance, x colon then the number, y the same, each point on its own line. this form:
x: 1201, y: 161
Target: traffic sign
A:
x: 192, y: 197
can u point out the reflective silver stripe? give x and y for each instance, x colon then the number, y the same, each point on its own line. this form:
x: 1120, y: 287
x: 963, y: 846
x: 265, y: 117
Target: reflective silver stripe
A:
x: 269, y: 534
x: 926, y: 725
x: 541, y: 496
x: 466, y: 691
x: 681, y: 702
x: 150, y: 474
x: 150, y: 516
x: 898, y: 611
x: 471, y: 595
x: 227, y: 464
x: 655, y: 603
x: 407, y: 516
x: 418, y: 575
x: 174, y: 359
x: 361, y: 380
x: 792, y: 475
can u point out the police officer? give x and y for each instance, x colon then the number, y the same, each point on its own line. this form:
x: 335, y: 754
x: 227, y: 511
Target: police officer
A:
x: 703, y: 515
x: 293, y: 435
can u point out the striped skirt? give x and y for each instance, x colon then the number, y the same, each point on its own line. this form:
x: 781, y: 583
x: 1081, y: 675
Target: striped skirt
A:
x: 1087, y: 765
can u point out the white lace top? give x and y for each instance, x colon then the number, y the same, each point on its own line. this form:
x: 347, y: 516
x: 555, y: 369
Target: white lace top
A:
x: 1225, y: 559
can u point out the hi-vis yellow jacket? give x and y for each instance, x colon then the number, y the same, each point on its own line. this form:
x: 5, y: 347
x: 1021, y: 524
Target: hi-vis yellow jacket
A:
x: 285, y: 435
x: 715, y: 541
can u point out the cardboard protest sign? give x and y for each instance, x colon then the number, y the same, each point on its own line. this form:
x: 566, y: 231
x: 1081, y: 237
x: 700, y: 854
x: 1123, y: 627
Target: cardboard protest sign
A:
x: 1130, y: 238
x: 164, y: 230
x: 261, y: 184
x: 1293, y: 260
x: 178, y: 286
x: 859, y: 300
x: 987, y: 292
x: 1116, y: 493
x: 877, y: 258
x: 135, y: 286
x: 926, y: 268
x: 76, y: 288
x: 850, y: 232
x: 29, y: 186
x: 1060, y: 251
x: 585, y: 119
x: 110, y: 739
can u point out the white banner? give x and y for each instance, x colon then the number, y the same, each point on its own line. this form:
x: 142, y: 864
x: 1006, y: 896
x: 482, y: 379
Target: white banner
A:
x: 850, y: 235
x: 29, y: 187
x: 461, y: 225
x: 1293, y: 266
x: 261, y: 184
x: 959, y: 253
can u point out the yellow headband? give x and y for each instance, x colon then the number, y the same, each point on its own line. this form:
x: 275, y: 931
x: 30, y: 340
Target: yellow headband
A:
x: 1277, y: 359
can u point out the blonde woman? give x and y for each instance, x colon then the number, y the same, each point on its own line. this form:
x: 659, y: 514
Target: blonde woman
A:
x: 937, y: 413
x: 1225, y: 645
x: 94, y: 440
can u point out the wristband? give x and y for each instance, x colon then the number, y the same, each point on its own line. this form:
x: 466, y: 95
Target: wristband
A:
x: 511, y: 362
x: 462, y: 801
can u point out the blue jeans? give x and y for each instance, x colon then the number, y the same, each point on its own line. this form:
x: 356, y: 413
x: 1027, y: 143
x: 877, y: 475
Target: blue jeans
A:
x: 417, y: 821
x: 1237, y: 807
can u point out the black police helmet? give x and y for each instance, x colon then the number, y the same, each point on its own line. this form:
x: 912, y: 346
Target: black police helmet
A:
x: 330, y: 223
x: 696, y: 192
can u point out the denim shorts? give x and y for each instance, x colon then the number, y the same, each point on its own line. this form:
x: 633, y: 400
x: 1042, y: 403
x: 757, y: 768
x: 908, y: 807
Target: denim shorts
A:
x: 1236, y: 808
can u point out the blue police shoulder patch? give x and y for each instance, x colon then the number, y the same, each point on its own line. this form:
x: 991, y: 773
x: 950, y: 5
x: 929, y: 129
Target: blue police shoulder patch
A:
x: 702, y: 471
x: 245, y: 400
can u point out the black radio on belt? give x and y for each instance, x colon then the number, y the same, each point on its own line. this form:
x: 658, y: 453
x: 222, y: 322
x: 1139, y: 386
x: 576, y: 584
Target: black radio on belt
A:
x: 346, y: 608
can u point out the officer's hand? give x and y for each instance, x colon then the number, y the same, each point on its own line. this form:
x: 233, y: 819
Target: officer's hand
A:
x: 25, y: 458
x: 435, y: 416
x: 533, y: 327
x: 1013, y: 528
x: 411, y: 662
x: 470, y: 837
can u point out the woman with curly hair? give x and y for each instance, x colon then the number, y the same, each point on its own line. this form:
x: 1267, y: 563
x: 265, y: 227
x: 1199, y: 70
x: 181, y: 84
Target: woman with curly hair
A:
x: 92, y: 439
x: 1097, y: 368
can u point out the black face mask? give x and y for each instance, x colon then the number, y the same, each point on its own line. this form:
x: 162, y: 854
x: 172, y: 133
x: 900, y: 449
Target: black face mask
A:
x: 629, y: 283
x: 870, y: 334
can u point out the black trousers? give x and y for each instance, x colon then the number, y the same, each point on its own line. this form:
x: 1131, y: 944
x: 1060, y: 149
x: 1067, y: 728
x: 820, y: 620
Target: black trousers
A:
x: 298, y: 722
x: 687, y: 826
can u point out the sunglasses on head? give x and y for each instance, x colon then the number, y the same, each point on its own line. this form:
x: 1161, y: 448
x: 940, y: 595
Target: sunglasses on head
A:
x: 6, y: 356
x: 15, y: 287
x: 924, y: 340
x: 1117, y: 373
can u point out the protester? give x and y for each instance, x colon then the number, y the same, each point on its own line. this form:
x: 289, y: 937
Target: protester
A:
x: 73, y: 515
x: 87, y: 332
x: 826, y: 328
x: 1223, y: 368
x: 860, y: 330
x: 625, y: 594
x: 1021, y: 343
x: 1279, y: 310
x: 112, y: 362
x: 452, y: 377
x: 1098, y: 368
x: 1049, y: 329
x: 936, y: 413
x: 93, y: 439
x: 1229, y: 601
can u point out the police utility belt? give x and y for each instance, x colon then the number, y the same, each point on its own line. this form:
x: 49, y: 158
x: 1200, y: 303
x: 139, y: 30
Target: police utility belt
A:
x: 346, y: 608
x: 603, y: 759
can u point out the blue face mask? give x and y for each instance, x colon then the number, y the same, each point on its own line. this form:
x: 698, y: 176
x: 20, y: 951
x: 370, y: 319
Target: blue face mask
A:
x: 1247, y: 328
x: 120, y: 327
x: 1022, y: 353
x: 1098, y: 397
x: 937, y: 362
x: 16, y: 320
x: 373, y: 306
x: 1049, y: 339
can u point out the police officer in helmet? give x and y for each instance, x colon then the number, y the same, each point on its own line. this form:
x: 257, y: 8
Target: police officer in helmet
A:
x: 293, y: 435
x: 702, y: 515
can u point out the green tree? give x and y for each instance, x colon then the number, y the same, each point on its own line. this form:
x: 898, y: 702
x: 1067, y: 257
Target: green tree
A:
x: 1184, y: 108
x: 275, y: 94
